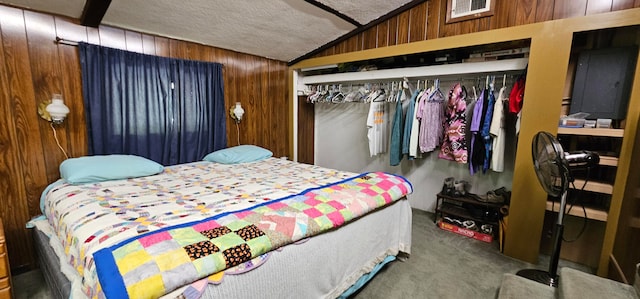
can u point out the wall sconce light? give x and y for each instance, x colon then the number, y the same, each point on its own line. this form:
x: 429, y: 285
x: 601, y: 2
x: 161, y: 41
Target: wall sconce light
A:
x: 54, y: 111
x: 237, y: 112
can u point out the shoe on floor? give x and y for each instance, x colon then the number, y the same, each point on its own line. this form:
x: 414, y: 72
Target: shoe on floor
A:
x: 492, y: 197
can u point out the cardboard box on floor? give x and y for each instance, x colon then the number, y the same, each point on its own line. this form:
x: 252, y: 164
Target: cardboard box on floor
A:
x: 465, y: 232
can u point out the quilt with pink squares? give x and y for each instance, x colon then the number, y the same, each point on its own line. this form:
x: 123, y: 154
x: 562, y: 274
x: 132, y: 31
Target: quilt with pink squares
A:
x: 145, y: 237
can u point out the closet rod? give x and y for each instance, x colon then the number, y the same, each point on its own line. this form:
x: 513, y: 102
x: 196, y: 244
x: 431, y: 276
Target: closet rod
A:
x: 60, y: 40
x: 454, y: 69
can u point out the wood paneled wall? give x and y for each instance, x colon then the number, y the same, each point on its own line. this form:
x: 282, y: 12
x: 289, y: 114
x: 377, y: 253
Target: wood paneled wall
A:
x: 33, y: 67
x: 427, y: 21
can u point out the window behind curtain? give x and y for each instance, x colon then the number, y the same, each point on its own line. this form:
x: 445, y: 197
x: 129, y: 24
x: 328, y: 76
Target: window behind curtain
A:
x: 168, y: 110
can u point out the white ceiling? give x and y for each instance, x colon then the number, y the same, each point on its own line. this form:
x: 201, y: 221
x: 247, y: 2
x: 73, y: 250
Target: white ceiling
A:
x: 278, y: 29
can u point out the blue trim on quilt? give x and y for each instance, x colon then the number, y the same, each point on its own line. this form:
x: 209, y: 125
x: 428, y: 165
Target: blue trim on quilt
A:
x: 104, y: 258
x: 399, y: 176
x: 106, y: 268
x: 46, y: 190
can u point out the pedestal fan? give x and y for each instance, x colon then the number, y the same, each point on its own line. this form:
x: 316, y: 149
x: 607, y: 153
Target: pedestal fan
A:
x: 553, y: 167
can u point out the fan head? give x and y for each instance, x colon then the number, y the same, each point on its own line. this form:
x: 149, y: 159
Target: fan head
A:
x: 550, y: 164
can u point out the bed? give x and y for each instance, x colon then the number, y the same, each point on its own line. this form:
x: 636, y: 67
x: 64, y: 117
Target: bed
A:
x: 272, y: 228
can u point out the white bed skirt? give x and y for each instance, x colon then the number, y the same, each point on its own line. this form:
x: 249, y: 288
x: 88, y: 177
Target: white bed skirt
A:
x: 325, y: 265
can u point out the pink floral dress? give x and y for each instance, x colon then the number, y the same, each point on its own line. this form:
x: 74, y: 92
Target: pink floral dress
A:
x: 454, y: 145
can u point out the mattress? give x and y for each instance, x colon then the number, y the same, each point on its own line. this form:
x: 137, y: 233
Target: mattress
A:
x: 352, y: 246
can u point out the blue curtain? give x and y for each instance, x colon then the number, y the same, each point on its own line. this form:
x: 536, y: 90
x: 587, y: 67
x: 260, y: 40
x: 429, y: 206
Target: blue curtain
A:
x: 168, y: 110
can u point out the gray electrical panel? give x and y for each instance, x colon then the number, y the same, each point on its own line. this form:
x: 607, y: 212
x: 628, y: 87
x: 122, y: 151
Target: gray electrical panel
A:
x: 603, y: 82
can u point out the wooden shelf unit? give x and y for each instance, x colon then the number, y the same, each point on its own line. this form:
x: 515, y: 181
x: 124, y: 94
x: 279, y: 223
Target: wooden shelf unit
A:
x: 459, y: 207
x: 608, y: 161
x: 592, y: 213
x: 592, y: 132
x: 592, y: 186
x: 598, y: 187
x: 610, y: 142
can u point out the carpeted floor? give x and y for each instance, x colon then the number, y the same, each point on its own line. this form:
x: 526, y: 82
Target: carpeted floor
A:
x: 446, y: 265
x: 442, y: 265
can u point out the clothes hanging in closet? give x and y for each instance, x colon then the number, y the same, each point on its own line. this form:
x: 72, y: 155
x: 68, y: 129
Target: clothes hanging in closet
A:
x: 471, y: 104
x: 454, y: 146
x: 497, y: 130
x: 517, y: 95
x: 415, y: 126
x: 396, y: 133
x: 432, y: 118
x: 487, y: 139
x: 476, y: 152
x: 408, y: 125
x: 377, y: 125
x: 516, y: 99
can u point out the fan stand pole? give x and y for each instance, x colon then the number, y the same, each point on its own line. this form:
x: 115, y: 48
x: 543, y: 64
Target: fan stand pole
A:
x: 550, y: 278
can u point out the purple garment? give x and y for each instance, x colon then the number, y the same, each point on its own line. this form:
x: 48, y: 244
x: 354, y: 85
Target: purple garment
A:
x: 477, y: 114
x: 476, y: 125
x: 422, y: 102
x: 431, y: 130
x: 422, y: 117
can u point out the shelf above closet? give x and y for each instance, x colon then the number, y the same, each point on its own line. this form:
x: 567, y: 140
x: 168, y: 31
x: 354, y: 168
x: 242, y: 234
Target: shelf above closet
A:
x: 454, y: 69
x: 591, y: 132
x: 577, y: 211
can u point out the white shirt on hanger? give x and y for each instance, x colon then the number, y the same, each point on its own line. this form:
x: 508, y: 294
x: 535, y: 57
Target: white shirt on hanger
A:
x: 377, y: 128
x: 497, y: 130
x: 415, y: 126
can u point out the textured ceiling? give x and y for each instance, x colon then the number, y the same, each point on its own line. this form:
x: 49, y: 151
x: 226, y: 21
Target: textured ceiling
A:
x: 364, y: 11
x: 277, y: 29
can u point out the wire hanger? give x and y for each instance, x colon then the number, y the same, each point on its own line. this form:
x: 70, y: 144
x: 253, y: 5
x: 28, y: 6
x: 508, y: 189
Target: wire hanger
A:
x: 407, y: 85
x: 437, y: 94
x: 339, y: 96
x: 492, y: 82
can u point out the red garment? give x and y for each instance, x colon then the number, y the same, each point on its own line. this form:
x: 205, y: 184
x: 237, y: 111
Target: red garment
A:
x: 516, y: 96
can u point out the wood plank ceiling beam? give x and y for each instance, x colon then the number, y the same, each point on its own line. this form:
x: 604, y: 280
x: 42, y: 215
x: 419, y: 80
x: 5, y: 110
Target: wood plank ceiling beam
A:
x: 334, y: 12
x: 93, y: 12
x: 358, y: 30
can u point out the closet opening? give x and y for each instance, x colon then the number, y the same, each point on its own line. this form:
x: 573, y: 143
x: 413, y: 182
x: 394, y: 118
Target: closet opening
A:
x: 339, y: 128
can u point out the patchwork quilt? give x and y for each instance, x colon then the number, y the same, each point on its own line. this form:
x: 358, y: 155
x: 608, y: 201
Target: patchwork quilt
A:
x: 144, y: 237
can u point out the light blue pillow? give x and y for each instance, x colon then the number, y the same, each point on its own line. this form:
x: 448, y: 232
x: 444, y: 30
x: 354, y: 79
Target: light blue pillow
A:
x: 239, y: 154
x: 100, y: 168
